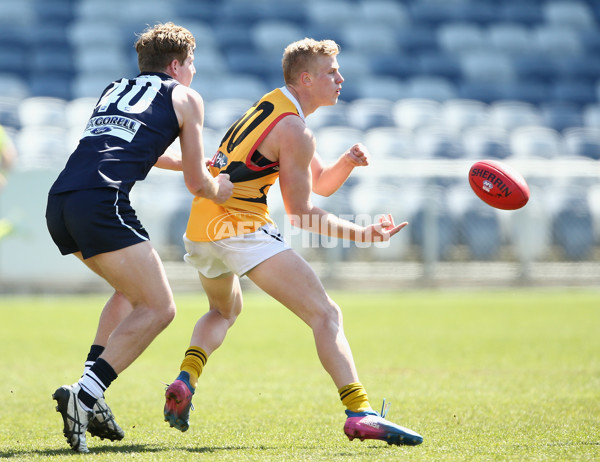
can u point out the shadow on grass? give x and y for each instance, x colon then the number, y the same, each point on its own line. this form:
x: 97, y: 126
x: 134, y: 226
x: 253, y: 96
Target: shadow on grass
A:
x: 123, y: 449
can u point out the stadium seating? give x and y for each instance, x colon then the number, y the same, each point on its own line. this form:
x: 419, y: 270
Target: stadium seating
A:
x: 480, y: 229
x: 486, y: 142
x: 430, y: 80
x: 536, y: 142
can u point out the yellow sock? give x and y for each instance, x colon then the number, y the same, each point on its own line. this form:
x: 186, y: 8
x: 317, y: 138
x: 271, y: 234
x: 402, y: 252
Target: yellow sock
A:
x: 354, y: 397
x: 193, y: 363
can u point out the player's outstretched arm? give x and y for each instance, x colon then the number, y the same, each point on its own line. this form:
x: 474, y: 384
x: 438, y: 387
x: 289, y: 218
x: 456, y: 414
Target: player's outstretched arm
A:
x: 327, y: 179
x: 295, y: 181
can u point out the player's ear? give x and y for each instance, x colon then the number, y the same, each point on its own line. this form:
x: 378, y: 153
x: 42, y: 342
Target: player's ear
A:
x: 306, y: 79
x: 173, y: 68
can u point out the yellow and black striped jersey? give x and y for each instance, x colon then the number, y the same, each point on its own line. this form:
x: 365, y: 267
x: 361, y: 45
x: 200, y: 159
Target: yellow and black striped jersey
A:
x: 251, y: 173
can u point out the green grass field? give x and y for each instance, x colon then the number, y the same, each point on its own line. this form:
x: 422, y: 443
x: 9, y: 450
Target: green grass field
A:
x: 482, y: 375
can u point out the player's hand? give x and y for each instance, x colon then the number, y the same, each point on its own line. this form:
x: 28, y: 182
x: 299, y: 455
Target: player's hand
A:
x: 384, y: 230
x: 358, y: 155
x: 225, y: 188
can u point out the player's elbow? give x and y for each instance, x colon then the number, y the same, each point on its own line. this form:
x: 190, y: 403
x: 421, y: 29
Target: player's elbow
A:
x: 197, y: 188
x: 301, y: 216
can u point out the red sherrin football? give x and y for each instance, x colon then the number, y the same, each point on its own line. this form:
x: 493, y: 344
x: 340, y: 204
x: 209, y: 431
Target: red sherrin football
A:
x: 498, y: 185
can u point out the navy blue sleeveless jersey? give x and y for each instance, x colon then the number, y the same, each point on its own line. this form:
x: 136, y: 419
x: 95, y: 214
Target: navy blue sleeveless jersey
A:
x: 131, y: 126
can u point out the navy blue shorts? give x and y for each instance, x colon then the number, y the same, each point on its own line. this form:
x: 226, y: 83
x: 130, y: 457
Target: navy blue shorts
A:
x: 93, y: 221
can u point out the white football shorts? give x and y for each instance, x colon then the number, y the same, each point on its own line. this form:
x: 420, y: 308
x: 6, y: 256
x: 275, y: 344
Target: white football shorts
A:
x: 238, y: 254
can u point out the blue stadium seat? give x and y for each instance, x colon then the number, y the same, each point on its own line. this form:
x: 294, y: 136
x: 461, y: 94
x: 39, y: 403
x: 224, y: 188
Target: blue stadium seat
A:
x: 324, y: 32
x: 575, y: 91
x: 57, y: 12
x: 413, y: 113
x: 558, y: 41
x: 9, y: 112
x: 527, y: 90
x: 416, y: 39
x: 561, y: 116
x: 400, y: 65
x: 590, y: 41
x: 581, y: 67
x: 369, y: 37
x: 52, y: 59
x: 90, y: 84
x: 444, y: 227
x: 42, y: 147
x: 439, y: 63
x: 14, y: 86
x: 43, y: 111
x: 387, y: 87
x: 13, y: 60
x: 229, y: 34
x: 231, y: 86
x: 332, y: 13
x: 487, y: 66
x: 591, y: 115
x: 526, y: 13
x: 480, y: 12
x: 332, y: 141
x: 512, y: 114
x: 202, y: 32
x: 329, y: 116
x: 530, y: 142
x: 437, y: 142
x: 485, y: 142
x: 535, y: 66
x: 285, y: 10
x: 390, y: 142
x: 480, y: 231
x: 272, y: 36
x: 573, y: 230
x: 252, y: 62
x: 460, y: 114
x: 16, y: 12
x: 221, y: 113
x: 388, y: 12
x: 195, y: 10
x: 432, y: 14
x: 55, y: 85
x: 583, y: 141
x: 353, y: 64
x: 460, y: 37
x: 510, y: 37
x: 430, y: 87
x: 367, y: 113
x: 480, y: 91
x: 574, y: 14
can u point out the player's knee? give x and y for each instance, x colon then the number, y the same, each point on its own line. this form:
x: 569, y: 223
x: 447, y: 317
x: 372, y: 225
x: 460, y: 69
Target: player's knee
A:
x: 170, y: 313
x: 229, y: 311
x: 328, y: 316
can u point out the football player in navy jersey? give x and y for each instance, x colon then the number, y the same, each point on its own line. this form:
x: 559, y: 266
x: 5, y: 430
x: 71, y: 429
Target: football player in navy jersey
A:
x: 89, y: 214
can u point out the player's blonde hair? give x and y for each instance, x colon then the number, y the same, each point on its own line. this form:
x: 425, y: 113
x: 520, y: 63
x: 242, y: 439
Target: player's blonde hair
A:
x: 298, y: 56
x: 157, y: 46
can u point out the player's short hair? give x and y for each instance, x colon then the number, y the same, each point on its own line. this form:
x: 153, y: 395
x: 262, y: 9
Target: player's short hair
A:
x: 157, y: 46
x: 298, y: 56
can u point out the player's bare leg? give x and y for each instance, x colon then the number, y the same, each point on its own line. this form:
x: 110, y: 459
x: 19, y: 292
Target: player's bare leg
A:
x: 137, y: 273
x: 298, y: 288
x: 116, y: 309
x: 225, y: 304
